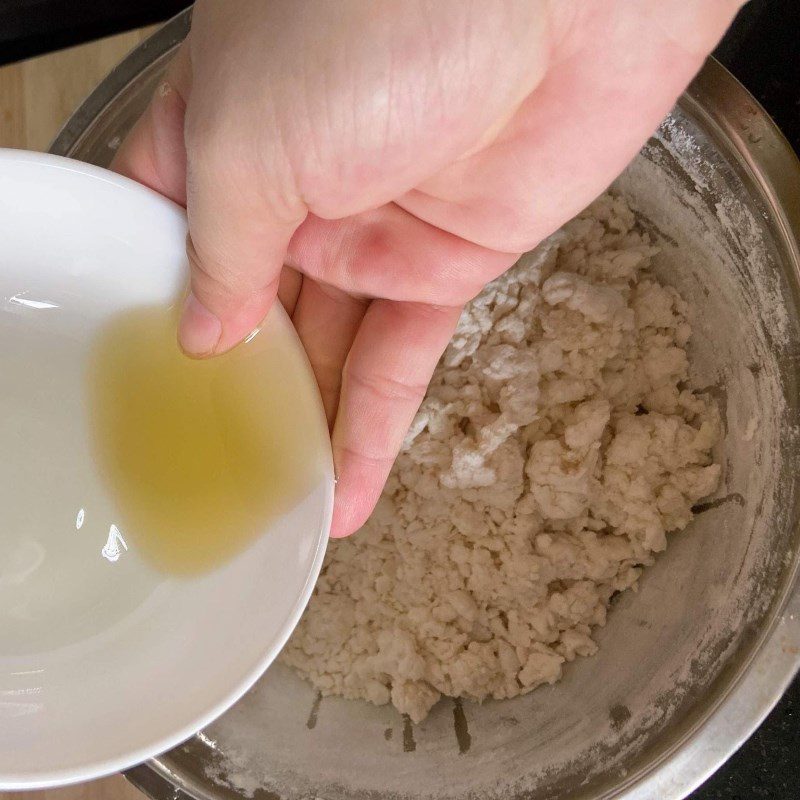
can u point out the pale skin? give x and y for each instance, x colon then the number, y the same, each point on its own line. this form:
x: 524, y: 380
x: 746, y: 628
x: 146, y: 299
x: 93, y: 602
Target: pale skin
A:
x: 376, y: 162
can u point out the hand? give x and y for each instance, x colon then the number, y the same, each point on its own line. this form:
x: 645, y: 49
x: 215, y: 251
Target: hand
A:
x: 395, y: 155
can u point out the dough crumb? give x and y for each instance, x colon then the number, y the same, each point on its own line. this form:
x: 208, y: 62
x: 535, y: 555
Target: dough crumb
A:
x: 557, y: 446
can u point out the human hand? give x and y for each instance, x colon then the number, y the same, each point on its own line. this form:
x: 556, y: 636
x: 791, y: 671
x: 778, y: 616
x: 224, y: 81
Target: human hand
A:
x: 377, y: 162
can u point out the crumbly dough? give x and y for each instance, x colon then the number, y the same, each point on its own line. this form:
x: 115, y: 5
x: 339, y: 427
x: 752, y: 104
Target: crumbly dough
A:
x: 556, y: 447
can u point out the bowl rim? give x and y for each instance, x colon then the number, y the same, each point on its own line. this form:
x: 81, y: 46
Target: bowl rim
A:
x: 717, y: 98
x: 733, y: 116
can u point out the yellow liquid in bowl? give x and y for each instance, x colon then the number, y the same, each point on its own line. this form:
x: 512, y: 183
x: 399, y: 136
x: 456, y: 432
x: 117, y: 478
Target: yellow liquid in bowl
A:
x: 199, y: 455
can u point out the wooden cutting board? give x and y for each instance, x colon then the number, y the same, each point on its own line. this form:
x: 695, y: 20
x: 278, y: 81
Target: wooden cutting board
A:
x: 36, y: 98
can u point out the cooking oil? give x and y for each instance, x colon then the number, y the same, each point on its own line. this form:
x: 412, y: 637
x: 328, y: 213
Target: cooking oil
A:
x: 198, y: 455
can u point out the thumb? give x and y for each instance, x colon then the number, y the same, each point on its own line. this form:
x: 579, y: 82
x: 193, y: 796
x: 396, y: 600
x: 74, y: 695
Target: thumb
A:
x: 238, y: 232
x: 241, y: 218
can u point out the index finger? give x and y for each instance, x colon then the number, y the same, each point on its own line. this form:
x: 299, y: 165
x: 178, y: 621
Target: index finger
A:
x: 385, y: 379
x: 154, y: 152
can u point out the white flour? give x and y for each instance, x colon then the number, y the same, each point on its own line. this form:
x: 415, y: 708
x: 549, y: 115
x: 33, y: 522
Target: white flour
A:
x: 556, y: 447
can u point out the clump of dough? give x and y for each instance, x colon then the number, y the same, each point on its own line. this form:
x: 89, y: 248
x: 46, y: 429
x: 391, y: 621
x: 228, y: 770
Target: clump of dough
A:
x: 557, y: 446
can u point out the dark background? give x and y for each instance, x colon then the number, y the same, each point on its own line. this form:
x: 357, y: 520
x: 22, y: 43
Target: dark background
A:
x: 762, y: 49
x: 31, y: 27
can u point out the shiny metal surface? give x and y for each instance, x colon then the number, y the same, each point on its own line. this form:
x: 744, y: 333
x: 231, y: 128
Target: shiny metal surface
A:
x: 93, y: 131
x: 742, y: 672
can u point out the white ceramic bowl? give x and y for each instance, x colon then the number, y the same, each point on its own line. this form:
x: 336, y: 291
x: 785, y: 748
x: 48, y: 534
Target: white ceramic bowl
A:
x: 114, y: 662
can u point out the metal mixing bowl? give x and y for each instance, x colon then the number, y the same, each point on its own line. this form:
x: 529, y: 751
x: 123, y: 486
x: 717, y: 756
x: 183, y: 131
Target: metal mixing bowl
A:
x: 689, y: 665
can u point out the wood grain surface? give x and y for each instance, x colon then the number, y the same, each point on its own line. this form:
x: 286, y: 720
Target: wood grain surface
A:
x: 36, y: 98
x: 115, y: 788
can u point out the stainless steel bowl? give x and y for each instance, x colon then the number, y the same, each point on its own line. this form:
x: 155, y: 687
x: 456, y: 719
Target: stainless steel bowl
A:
x: 693, y: 662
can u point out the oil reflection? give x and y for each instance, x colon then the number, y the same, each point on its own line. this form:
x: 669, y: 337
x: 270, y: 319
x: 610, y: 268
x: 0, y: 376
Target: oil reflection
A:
x: 20, y: 300
x: 111, y: 549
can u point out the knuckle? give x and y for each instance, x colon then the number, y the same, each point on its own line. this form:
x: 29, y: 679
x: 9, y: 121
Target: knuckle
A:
x: 385, y: 389
x: 210, y: 274
x: 378, y: 457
